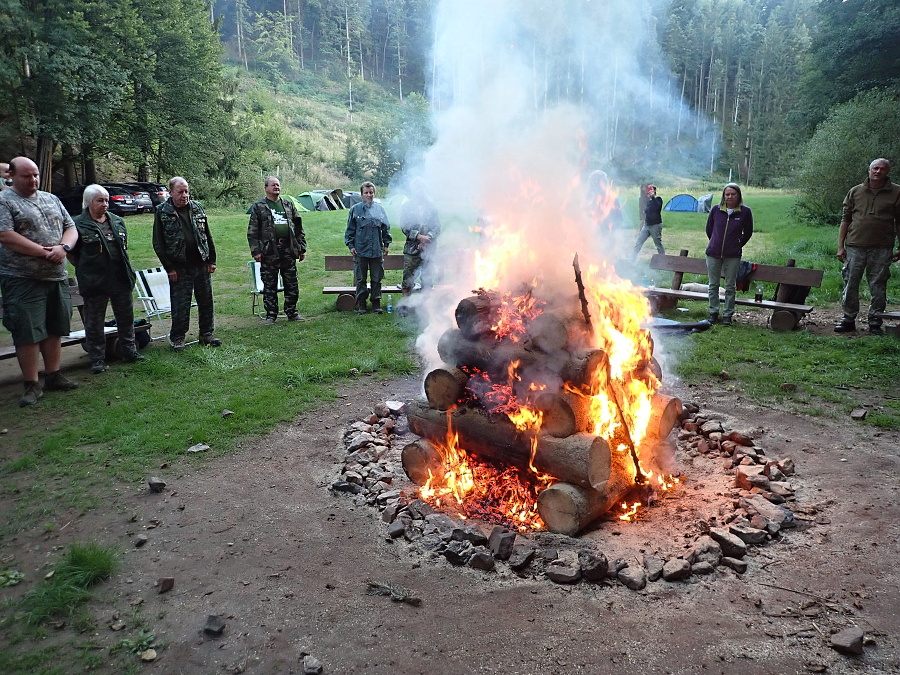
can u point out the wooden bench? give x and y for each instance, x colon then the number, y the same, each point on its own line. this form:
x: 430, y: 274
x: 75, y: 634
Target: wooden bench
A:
x: 77, y: 337
x: 785, y: 315
x: 346, y: 295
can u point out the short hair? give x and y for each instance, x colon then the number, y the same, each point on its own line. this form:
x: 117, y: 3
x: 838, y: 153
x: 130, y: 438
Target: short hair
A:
x: 736, y: 188
x: 175, y: 180
x: 368, y: 183
x: 90, y: 192
x: 881, y: 159
x: 268, y: 178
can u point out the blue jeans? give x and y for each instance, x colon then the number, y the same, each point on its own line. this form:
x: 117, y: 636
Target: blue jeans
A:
x: 718, y: 268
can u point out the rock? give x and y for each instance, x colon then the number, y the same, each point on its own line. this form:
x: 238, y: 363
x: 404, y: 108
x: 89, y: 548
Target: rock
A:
x: 214, y: 626
x: 781, y: 489
x: 381, y: 410
x: 397, y: 529
x: 199, y: 447
x: 739, y: 566
x: 848, y: 641
x: 389, y: 514
x: 396, y: 407
x: 140, y: 540
x: 773, y: 513
x: 858, y: 414
x: 787, y: 466
x: 594, y: 565
x: 731, y: 545
x: 459, y: 552
x: 148, y: 655
x: 312, y: 665
x: 676, y: 569
x: 227, y: 413
x: 562, y: 571
x: 419, y: 509
x: 165, y: 584
x: 749, y: 535
x: 654, y: 567
x: 711, y: 427
x: 634, y: 578
x: 705, y: 550
x: 359, y: 441
x: 501, y: 543
x: 156, y: 484
x: 703, y: 567
x: 740, y: 439
x: 344, y: 486
x: 788, y: 386
x: 749, y: 477
x: 521, y: 558
x: 482, y: 561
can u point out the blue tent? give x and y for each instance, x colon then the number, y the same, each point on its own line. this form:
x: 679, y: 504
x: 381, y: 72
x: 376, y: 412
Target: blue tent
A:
x: 681, y: 203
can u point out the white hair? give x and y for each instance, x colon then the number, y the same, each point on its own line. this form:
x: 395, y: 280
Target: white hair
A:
x: 92, y: 191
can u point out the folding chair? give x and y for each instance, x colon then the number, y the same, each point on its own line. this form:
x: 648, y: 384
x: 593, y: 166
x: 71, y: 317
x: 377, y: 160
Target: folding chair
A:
x: 254, y: 278
x: 153, y: 292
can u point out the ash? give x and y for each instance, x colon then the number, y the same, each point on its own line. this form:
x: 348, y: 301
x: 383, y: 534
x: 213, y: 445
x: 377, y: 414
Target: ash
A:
x: 733, y: 500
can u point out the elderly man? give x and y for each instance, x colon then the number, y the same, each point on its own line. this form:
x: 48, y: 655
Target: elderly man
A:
x: 36, y: 233
x: 184, y: 246
x: 368, y: 236
x: 870, y: 223
x: 277, y: 242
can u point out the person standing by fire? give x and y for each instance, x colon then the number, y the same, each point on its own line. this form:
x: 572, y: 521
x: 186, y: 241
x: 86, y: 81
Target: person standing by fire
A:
x: 651, y: 223
x: 420, y: 223
x: 728, y: 228
x: 368, y: 237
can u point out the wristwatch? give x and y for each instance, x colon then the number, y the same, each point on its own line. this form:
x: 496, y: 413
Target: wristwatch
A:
x: 66, y: 247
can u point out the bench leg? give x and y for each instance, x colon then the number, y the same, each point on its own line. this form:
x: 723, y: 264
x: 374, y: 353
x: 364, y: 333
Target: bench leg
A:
x: 345, y: 302
x: 783, y: 320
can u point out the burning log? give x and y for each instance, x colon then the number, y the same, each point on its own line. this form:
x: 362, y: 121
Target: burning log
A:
x: 421, y: 461
x: 444, y: 387
x: 474, y: 315
x: 665, y: 413
x: 581, y: 459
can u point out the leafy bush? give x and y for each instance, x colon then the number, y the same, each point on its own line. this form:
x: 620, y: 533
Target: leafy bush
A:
x: 838, y: 155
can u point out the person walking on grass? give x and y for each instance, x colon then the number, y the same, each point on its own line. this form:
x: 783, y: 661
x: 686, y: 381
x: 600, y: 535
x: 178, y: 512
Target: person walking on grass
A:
x: 728, y: 228
x: 368, y: 237
x: 651, y: 223
x: 870, y: 224
x: 36, y: 233
x: 277, y: 242
x: 184, y: 246
x: 105, y: 277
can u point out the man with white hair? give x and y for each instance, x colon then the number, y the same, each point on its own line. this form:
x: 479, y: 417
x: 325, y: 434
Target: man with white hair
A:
x: 36, y: 233
x: 184, y: 246
x: 870, y: 224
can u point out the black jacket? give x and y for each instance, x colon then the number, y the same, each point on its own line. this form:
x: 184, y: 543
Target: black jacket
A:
x: 94, y: 267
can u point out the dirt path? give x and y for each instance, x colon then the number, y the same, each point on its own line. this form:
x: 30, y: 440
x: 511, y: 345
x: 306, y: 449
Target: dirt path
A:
x: 258, y: 538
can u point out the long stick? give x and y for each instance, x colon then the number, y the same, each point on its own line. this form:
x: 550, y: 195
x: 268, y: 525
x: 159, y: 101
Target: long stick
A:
x: 581, y: 293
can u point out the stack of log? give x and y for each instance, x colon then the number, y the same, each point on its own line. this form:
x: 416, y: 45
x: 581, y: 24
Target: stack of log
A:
x: 557, y: 374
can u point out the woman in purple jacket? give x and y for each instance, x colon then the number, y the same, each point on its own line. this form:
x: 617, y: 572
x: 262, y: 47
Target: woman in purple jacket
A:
x: 728, y: 228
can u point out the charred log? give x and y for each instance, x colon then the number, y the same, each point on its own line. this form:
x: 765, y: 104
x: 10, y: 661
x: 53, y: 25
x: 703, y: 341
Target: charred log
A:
x: 444, y: 387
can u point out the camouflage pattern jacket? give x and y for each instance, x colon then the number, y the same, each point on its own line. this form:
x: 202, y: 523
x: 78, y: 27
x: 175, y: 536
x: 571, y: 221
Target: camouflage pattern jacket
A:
x: 168, y: 237
x: 261, y: 231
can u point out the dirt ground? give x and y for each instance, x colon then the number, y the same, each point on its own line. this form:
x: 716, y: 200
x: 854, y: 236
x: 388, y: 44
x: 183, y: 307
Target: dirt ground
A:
x: 258, y: 538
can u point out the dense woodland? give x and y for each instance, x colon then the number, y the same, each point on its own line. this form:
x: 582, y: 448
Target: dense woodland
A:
x: 802, y: 93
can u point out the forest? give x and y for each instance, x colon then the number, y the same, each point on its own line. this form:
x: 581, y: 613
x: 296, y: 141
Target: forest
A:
x: 799, y: 94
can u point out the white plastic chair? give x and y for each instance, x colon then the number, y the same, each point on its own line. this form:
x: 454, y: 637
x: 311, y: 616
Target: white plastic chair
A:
x: 254, y: 278
x: 153, y: 292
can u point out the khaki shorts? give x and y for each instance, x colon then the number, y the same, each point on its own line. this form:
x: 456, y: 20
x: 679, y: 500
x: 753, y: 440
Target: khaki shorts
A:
x: 34, y: 310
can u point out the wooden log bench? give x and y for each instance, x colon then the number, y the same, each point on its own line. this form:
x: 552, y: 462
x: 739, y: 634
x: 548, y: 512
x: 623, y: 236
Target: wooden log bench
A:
x: 346, y: 295
x: 786, y: 316
x: 77, y: 337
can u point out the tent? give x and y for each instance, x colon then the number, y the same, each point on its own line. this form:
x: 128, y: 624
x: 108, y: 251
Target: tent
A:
x: 297, y: 205
x: 704, y: 203
x: 322, y: 200
x: 681, y: 203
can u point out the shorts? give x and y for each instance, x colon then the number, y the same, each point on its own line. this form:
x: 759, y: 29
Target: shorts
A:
x: 33, y: 310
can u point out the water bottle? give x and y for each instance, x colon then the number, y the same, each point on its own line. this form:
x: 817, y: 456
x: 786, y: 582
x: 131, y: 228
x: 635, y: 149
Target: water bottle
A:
x: 390, y: 307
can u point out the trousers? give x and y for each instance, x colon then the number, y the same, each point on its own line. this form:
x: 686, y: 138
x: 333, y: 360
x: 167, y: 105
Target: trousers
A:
x: 876, y: 264
x: 196, y: 282
x: 718, y: 268
x: 286, y: 265
x: 94, y: 316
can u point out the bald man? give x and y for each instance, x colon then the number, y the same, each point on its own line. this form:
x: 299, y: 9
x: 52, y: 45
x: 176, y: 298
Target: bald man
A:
x: 36, y: 233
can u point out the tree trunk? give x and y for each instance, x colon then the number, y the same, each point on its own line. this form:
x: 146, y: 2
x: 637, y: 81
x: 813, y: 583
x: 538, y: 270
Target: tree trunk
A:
x: 45, y: 162
x: 444, y: 387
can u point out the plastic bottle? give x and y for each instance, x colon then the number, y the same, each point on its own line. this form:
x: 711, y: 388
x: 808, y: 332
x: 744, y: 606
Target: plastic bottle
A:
x: 390, y: 306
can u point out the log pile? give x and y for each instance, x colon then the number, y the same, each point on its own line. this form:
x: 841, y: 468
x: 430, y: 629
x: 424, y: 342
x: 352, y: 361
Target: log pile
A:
x: 552, y: 369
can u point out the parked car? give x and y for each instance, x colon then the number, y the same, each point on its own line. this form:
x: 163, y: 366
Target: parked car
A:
x: 142, y: 199
x: 157, y: 191
x: 121, y: 201
x: 71, y: 198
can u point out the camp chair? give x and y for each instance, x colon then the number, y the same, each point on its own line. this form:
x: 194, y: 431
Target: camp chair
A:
x: 254, y: 277
x: 153, y: 292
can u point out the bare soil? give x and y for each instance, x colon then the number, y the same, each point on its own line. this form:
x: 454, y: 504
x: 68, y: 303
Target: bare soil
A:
x: 258, y: 538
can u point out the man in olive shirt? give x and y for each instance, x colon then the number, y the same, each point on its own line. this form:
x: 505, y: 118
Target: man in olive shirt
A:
x: 277, y: 242
x: 870, y: 224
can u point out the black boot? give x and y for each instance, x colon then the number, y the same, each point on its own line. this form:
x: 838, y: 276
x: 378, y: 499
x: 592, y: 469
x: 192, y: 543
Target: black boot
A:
x: 376, y: 306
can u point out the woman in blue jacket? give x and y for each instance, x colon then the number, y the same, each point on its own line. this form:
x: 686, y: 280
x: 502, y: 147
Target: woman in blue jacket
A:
x: 728, y: 228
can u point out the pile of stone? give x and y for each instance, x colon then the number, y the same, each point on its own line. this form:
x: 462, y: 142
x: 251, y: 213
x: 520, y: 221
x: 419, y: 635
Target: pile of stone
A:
x: 758, y: 511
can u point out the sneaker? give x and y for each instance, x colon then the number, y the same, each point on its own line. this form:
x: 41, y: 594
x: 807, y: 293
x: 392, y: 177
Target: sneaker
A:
x: 211, y: 340
x: 33, y: 392
x: 845, y: 327
x: 98, y: 366
x: 295, y: 317
x: 56, y: 381
x: 726, y: 321
x: 132, y: 357
x: 268, y: 321
x: 178, y: 344
x: 876, y: 330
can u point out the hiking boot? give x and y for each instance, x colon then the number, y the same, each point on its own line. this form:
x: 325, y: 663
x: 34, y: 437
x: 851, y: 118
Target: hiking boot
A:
x: 876, y: 330
x: 294, y: 316
x: 33, y: 392
x: 178, y: 344
x: 726, y: 321
x: 56, y: 381
x: 268, y: 321
x: 98, y: 366
x: 211, y: 340
x: 845, y: 327
x: 132, y: 357
x: 714, y: 317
